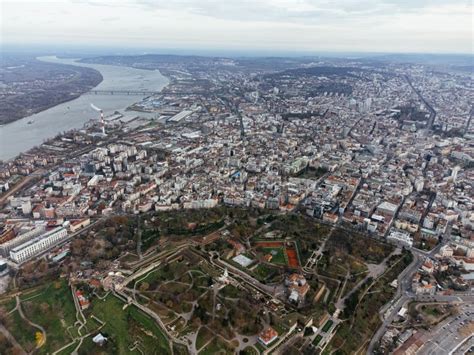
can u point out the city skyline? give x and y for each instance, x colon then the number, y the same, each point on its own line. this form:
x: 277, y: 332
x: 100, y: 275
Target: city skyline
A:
x: 236, y: 177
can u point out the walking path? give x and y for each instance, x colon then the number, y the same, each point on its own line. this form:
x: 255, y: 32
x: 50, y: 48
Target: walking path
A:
x: 375, y: 270
x: 11, y: 339
x: 34, y: 325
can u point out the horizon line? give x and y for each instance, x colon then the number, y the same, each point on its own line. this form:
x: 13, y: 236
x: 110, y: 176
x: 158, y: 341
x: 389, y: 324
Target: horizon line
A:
x: 34, y: 47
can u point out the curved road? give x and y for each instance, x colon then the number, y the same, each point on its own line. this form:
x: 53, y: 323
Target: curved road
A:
x: 402, y: 295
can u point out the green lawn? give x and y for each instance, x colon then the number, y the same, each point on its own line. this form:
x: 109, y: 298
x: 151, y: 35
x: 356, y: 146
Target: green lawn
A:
x: 124, y: 327
x: 250, y: 350
x: 91, y: 325
x: 69, y: 349
x: 174, y: 287
x: 161, y: 274
x: 8, y: 304
x: 151, y: 279
x: 230, y: 292
x: 21, y: 331
x: 265, y: 272
x: 179, y: 349
x: 216, y: 346
x: 52, y: 307
x: 327, y: 326
x: 157, y: 343
x: 260, y: 347
x: 317, y: 340
x: 280, y: 328
x: 431, y: 310
x: 204, y: 335
x: 278, y: 255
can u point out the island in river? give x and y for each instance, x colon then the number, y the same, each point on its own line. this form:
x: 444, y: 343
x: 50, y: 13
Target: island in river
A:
x: 30, y: 86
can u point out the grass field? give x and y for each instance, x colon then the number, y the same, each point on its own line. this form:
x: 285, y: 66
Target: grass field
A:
x: 317, y: 340
x: 21, y: 330
x: 249, y: 350
x: 52, y: 307
x: 8, y: 304
x: 327, y: 326
x: 124, y: 327
x: 260, y: 347
x: 216, y: 346
x: 230, y: 292
x: 278, y: 255
x: 203, y: 336
x: 262, y: 272
x: 69, y: 349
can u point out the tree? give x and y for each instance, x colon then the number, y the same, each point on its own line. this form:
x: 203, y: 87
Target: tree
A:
x: 144, y: 286
x: 231, y: 316
x: 44, y: 307
x: 39, y: 338
x: 16, y: 351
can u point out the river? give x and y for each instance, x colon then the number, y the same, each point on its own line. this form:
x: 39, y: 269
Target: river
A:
x: 19, y: 136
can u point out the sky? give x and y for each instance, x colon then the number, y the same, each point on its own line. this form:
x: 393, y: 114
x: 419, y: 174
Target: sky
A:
x: 396, y: 26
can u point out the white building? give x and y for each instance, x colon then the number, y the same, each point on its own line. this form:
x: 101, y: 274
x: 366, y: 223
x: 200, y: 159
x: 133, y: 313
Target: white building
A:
x: 99, y: 339
x: 196, y: 204
x: 400, y: 237
x: 446, y: 251
x: 26, y: 207
x: 455, y: 172
x: 387, y: 207
x: 419, y: 184
x: 37, y: 245
x: 22, y: 238
x: 224, y: 278
x: 178, y: 117
x: 74, y: 226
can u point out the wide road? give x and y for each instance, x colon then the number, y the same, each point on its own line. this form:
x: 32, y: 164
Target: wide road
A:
x: 25, y: 183
x: 401, y: 297
x: 430, y: 108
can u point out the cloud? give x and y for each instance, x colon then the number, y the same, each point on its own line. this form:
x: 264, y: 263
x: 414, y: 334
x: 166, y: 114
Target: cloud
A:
x: 111, y: 19
x: 308, y: 11
x: 285, y: 25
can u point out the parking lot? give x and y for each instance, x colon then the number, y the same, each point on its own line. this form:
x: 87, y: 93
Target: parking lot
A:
x: 451, y: 334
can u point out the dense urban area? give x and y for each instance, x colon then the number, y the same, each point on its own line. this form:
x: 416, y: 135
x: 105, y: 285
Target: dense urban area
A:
x: 253, y: 206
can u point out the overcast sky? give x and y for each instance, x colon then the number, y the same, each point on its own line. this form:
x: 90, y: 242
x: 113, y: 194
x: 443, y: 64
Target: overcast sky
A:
x: 435, y: 26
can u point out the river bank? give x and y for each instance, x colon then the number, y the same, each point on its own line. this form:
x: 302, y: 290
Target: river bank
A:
x: 20, y: 136
x: 48, y: 85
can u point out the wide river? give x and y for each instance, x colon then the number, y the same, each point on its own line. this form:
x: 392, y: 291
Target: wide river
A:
x: 19, y: 136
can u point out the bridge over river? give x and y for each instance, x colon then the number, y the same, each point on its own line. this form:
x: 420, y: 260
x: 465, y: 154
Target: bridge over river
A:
x: 138, y: 92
